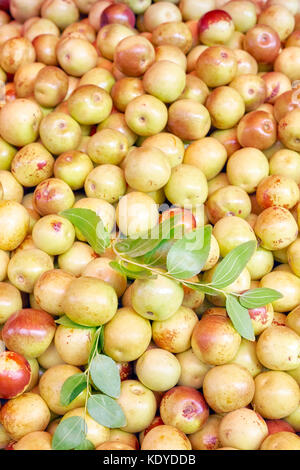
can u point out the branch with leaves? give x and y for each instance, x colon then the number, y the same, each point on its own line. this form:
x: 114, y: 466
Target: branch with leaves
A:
x: 159, y: 252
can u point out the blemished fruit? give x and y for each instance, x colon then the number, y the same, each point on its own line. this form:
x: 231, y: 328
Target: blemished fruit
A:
x: 24, y: 414
x: 142, y: 111
x: 138, y: 404
x: 185, y: 408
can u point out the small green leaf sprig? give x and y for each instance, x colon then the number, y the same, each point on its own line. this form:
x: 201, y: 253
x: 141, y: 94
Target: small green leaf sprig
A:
x: 160, y: 252
x: 102, y: 374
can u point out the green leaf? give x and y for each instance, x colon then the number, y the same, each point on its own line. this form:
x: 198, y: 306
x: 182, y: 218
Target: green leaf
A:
x: 85, y: 445
x: 95, y: 344
x: 187, y: 256
x: 105, y: 375
x: 65, y: 321
x: 69, y: 433
x: 106, y: 411
x: 71, y: 388
x: 240, y: 318
x: 149, y: 241
x: 259, y: 297
x: 158, y: 256
x: 91, y: 227
x: 131, y: 270
x: 233, y: 264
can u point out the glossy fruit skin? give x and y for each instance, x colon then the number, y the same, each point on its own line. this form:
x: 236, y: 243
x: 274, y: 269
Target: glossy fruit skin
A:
x: 17, y: 229
x: 174, y: 334
x: 155, y: 439
x: 26, y: 266
x: 174, y: 34
x: 287, y: 131
x: 101, y: 269
x: 147, y: 169
x: 138, y: 404
x: 85, y: 58
x: 158, y: 369
x: 53, y: 195
x: 281, y: 441
x: 89, y: 105
x: 157, y: 14
x: 244, y: 429
x: 134, y: 55
x: 51, y: 86
x: 10, y: 301
x: 108, y: 146
x: 232, y: 231
x: 288, y: 62
x: 45, y: 45
x: 215, y: 156
x: 278, y: 425
x: 261, y: 318
x: 207, y: 437
x: 119, y: 13
x: 50, y: 386
x: 74, y: 344
x: 247, y: 358
x: 287, y: 284
x: 228, y: 387
x: 156, y: 299
x: 197, y: 120
x: 50, y: 358
x: 277, y: 190
x: 187, y: 186
x: 292, y: 320
x: 230, y: 200
x: 32, y: 164
x: 59, y: 132
x: 73, y: 168
x: 27, y: 116
x: 37, y: 440
x: 170, y: 144
x: 184, y: 408
x: 106, y: 182
x: 146, y: 115
x: 216, y: 66
x: 53, y: 234
x: 263, y: 43
x: 24, y: 414
x: 276, y: 394
x: 246, y: 168
x: 109, y: 36
x: 279, y: 18
x: 285, y: 163
x: 271, y: 224
x: 257, y: 129
x: 90, y: 301
x: 165, y: 80
x: 226, y: 107
x: 29, y: 332
x: 126, y: 89
x: 215, y: 27
x: 14, y: 375
x: 214, y: 340
x: 129, y: 345
x: 285, y: 356
x: 49, y: 290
